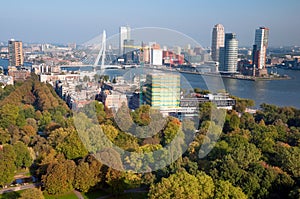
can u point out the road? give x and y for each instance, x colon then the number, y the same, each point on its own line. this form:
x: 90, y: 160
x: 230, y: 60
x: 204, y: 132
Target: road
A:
x: 18, y: 188
x: 78, y: 194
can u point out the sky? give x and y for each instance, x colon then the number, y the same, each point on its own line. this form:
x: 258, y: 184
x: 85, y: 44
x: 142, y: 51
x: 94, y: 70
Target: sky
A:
x: 66, y: 21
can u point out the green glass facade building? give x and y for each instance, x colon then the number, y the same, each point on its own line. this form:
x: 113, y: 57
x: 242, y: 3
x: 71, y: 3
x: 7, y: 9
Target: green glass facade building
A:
x: 163, y: 90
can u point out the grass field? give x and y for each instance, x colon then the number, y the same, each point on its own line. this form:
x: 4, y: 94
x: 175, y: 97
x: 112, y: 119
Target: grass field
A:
x: 11, y: 195
x: 69, y: 195
x: 94, y: 194
x: 90, y: 195
x: 131, y: 196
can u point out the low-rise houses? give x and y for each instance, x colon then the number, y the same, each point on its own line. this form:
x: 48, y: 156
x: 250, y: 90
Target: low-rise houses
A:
x: 6, y: 80
x: 19, y: 74
x: 79, y: 89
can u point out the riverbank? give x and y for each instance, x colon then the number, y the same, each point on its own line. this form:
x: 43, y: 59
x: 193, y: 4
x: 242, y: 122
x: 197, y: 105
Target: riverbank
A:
x: 239, y: 77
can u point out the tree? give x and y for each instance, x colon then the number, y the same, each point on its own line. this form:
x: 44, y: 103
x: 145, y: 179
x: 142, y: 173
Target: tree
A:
x: 178, y: 185
x: 111, y: 157
x: 44, y: 120
x: 205, y: 110
x: 59, y: 177
x: 243, y: 152
x: 171, y: 130
x: 247, y: 121
x: 242, y: 104
x: 96, y: 168
x: 110, y: 131
x: 197, y: 90
x: 84, y: 177
x: 206, y: 185
x: 21, y: 121
x: 4, y: 136
x: 29, y: 130
x: 23, y: 158
x: 100, y: 112
x: 29, y: 111
x: 115, y: 180
x: 220, y: 150
x: 7, y: 164
x: 123, y: 119
x: 288, y: 159
x: 8, y: 115
x: 72, y: 147
x: 32, y: 194
x: 141, y: 116
x: 264, y: 137
x: 225, y: 190
x: 58, y: 118
x: 246, y: 154
x: 295, y: 193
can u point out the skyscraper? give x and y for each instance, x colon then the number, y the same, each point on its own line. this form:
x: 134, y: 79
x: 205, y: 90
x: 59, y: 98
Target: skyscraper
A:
x: 260, y: 47
x: 124, y: 35
x: 217, y: 41
x: 163, y: 90
x: 229, y: 54
x: 15, y: 53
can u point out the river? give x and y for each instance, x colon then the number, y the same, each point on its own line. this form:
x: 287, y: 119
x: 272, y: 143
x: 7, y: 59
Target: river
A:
x: 277, y: 92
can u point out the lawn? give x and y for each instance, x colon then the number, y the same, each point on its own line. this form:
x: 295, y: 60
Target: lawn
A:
x: 11, y: 195
x: 131, y: 196
x: 69, y: 195
x: 94, y: 194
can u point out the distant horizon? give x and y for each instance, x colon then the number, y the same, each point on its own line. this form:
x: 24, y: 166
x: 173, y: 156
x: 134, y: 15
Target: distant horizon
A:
x: 65, y: 44
x: 116, y: 33
x: 77, y: 21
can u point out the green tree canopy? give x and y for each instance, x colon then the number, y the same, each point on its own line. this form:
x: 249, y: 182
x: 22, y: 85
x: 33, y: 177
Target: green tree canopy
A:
x: 178, y: 185
x: 32, y: 194
x: 23, y: 158
x: 59, y: 177
x: 7, y: 164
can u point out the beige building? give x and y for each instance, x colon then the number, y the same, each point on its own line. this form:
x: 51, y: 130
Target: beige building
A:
x: 115, y: 99
x: 15, y: 53
x: 218, y: 36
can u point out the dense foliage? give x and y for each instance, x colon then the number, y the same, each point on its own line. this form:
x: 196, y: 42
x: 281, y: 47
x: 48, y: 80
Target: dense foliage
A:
x: 256, y: 155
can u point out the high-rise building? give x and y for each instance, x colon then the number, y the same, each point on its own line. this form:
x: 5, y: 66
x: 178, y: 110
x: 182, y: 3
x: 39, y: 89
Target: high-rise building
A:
x: 260, y: 47
x: 217, y: 41
x: 229, y: 54
x: 156, y: 57
x: 15, y: 53
x: 128, y: 50
x: 128, y: 45
x: 124, y: 35
x: 163, y: 90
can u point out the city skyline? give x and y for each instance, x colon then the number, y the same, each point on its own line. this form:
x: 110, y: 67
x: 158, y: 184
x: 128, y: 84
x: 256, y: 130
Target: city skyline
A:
x: 56, y: 23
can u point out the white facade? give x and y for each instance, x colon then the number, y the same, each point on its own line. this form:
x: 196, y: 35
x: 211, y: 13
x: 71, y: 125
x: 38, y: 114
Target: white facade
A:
x: 156, y: 57
x: 6, y: 80
x: 261, y: 42
x: 218, y: 35
x: 124, y: 35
